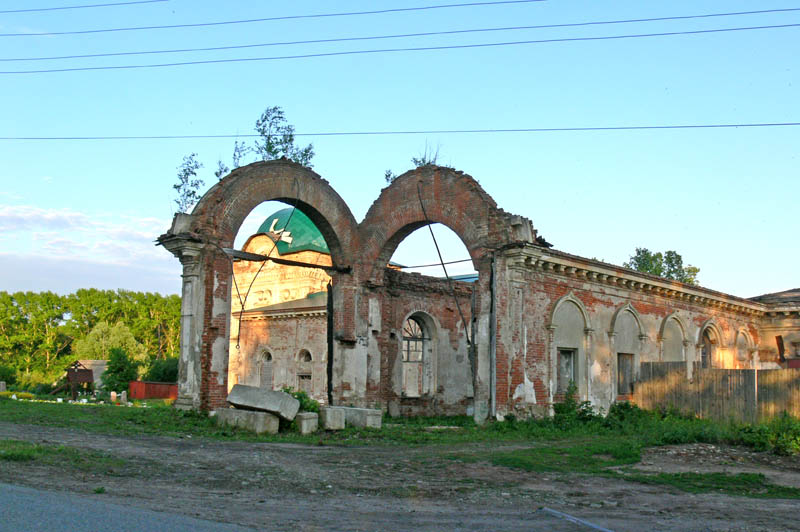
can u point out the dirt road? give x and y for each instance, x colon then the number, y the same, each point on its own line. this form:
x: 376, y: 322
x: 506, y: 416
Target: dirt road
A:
x: 272, y: 486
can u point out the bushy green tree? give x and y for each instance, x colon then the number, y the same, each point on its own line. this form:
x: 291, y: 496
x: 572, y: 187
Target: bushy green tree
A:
x: 120, y: 371
x: 164, y: 370
x: 103, y: 338
x: 668, y: 265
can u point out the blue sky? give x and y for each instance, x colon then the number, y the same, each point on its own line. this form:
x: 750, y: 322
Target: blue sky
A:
x: 85, y: 213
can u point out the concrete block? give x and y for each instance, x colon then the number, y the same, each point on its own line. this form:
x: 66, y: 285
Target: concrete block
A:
x: 254, y: 398
x: 258, y: 422
x: 362, y: 417
x: 307, y: 422
x: 331, y: 417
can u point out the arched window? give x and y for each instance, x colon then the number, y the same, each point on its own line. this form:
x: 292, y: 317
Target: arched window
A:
x: 710, y: 341
x: 414, y: 348
x: 413, y: 340
x: 304, y: 356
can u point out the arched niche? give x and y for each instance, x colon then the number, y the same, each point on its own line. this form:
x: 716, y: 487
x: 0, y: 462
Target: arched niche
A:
x: 626, y: 339
x: 672, y: 336
x: 744, y: 347
x: 570, y: 329
x: 709, y: 344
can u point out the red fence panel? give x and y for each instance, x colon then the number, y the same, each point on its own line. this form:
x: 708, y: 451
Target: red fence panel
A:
x: 152, y: 390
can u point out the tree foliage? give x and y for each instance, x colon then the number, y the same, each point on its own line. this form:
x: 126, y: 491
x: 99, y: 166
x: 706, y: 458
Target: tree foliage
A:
x: 40, y: 333
x: 276, y: 139
x: 668, y: 265
x: 426, y: 157
x: 97, y: 345
x: 120, y: 371
x: 188, y: 185
x: 165, y: 370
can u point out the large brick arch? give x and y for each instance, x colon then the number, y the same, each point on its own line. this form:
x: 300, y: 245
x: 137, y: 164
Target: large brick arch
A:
x: 197, y: 240
x: 221, y: 211
x: 450, y: 197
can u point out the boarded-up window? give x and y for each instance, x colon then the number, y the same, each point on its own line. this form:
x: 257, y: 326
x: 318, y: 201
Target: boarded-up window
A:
x: 624, y: 374
x: 304, y: 383
x: 566, y: 369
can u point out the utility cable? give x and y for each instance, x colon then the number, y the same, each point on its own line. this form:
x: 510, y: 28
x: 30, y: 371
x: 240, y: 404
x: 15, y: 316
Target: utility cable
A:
x: 435, y: 264
x: 268, y: 19
x: 405, y: 49
x: 441, y: 261
x: 427, y: 132
x: 395, y: 36
x: 39, y: 9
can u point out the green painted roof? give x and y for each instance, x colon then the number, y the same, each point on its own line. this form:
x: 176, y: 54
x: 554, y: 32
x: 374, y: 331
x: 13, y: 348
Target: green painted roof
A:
x: 300, y: 235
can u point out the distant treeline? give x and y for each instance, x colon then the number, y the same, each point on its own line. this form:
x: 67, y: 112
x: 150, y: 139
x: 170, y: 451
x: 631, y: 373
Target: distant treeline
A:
x: 41, y: 332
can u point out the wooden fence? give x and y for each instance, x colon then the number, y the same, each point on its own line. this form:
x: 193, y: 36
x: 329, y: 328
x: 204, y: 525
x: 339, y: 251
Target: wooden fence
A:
x: 152, y: 390
x: 746, y: 395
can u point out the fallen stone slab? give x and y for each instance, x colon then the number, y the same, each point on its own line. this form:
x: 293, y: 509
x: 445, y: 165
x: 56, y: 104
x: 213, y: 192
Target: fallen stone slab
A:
x: 252, y: 420
x: 254, y: 398
x: 331, y: 417
x: 362, y: 417
x: 307, y: 422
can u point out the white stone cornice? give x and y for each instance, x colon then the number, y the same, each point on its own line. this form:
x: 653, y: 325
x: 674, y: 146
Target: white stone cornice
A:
x: 557, y: 263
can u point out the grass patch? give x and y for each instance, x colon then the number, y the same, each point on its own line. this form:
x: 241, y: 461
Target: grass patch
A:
x: 61, y: 456
x: 741, y: 484
x: 587, y: 456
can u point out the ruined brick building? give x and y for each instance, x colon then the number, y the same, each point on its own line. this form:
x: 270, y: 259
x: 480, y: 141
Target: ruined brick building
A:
x: 352, y: 330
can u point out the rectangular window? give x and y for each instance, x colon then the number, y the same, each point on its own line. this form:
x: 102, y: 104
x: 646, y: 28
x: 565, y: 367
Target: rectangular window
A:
x: 567, y: 369
x: 624, y: 374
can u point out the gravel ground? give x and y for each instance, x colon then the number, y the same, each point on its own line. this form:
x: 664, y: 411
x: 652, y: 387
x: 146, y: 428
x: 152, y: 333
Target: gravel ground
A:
x: 271, y: 486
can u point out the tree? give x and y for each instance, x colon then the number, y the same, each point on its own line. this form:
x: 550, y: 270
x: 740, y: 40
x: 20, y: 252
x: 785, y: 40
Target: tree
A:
x: 188, y: 184
x: 120, y: 371
x: 668, y: 265
x: 275, y: 140
x: 103, y: 339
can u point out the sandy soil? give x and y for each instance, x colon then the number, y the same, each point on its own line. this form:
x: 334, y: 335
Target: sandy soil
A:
x: 299, y: 487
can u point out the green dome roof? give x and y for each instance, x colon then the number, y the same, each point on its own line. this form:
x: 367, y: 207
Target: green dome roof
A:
x: 300, y: 235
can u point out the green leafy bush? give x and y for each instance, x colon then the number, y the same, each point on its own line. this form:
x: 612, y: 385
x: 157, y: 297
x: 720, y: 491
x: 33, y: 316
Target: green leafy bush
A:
x: 571, y: 412
x: 8, y: 374
x: 307, y: 404
x: 120, y: 370
x: 163, y: 370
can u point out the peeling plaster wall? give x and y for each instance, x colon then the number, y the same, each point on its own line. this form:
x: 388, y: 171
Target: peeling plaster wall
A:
x: 615, y: 315
x: 449, y: 373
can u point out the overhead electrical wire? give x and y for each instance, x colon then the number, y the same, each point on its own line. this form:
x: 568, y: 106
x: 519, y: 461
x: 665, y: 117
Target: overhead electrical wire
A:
x: 396, y: 50
x: 401, y: 35
x: 269, y: 19
x: 62, y: 8
x: 425, y: 132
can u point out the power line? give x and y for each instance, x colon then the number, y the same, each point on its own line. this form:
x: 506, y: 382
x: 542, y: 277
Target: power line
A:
x: 267, y: 19
x: 434, y: 264
x: 403, y: 35
x: 395, y: 50
x: 38, y: 9
x: 428, y: 132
